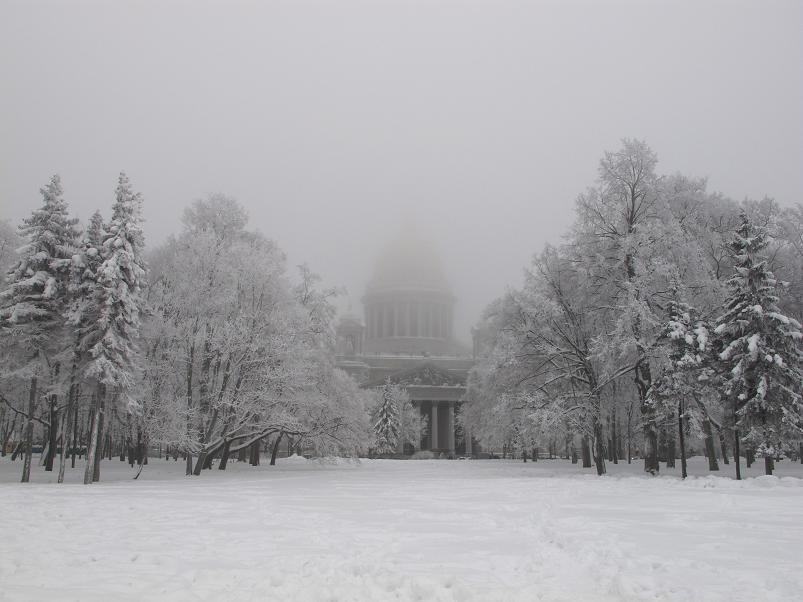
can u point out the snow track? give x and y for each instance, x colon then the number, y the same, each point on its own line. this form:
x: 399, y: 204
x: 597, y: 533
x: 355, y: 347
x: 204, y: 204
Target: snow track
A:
x: 385, y: 530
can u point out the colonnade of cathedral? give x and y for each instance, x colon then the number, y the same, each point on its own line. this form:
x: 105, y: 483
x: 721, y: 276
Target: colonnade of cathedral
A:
x: 394, y: 318
x: 440, y: 416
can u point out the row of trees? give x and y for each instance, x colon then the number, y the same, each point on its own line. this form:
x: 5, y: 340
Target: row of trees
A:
x: 659, y: 313
x: 207, y: 349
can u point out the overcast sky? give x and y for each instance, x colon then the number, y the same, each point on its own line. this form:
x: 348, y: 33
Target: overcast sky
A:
x: 334, y: 121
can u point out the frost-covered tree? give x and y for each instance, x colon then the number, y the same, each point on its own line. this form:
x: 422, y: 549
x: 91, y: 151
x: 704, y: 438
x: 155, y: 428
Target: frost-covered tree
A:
x: 686, y: 339
x: 32, y: 306
x: 760, y: 351
x: 111, y: 340
x: 386, y: 427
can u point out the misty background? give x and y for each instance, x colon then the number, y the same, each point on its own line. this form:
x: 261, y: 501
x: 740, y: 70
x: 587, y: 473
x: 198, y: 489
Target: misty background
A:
x: 334, y: 123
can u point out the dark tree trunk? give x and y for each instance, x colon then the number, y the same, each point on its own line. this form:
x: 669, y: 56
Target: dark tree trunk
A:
x: 275, y: 451
x: 736, y: 459
x: 224, y: 457
x: 682, y: 440
x: 769, y: 465
x: 574, y: 455
x: 670, y: 450
x: 599, y: 456
x: 254, y: 459
x: 18, y: 449
x: 524, y: 456
x: 585, y: 451
x: 92, y: 443
x: 101, y: 425
x: 651, y: 448
x: 749, y: 456
x: 65, y: 434
x: 723, y: 446
x: 52, y: 434
x: 800, y: 453
x: 26, y: 465
x: 535, y: 454
x: 140, y: 448
x: 74, y: 433
x: 188, y: 468
x: 710, y: 448
x: 242, y: 454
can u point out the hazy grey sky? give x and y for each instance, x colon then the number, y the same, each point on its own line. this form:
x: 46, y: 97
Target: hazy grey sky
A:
x: 333, y: 121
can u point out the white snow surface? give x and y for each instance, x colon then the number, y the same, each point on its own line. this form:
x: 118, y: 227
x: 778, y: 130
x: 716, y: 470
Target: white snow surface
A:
x: 340, y: 530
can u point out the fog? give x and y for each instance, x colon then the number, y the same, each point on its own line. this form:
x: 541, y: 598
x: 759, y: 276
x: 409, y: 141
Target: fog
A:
x: 334, y: 123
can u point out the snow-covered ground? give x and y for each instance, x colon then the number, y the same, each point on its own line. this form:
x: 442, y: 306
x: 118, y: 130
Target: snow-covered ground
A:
x: 401, y: 530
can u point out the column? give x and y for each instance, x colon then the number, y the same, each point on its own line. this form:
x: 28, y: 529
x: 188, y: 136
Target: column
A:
x: 450, y: 426
x: 421, y: 322
x: 433, y: 426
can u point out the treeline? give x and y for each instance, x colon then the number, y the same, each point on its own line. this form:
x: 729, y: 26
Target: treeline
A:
x: 206, y: 348
x: 668, y: 315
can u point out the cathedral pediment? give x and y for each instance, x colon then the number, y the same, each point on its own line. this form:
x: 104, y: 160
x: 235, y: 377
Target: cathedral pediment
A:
x: 425, y: 375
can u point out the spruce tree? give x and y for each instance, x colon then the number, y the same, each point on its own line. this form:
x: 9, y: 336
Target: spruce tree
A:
x: 760, y: 352
x: 117, y: 293
x: 386, y: 428
x: 32, y: 306
x: 687, y: 340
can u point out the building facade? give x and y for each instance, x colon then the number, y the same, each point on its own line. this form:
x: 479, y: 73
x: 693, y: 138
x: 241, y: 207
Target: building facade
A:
x: 407, y: 336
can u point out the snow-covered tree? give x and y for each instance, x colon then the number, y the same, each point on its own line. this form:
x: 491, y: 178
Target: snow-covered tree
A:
x: 387, y: 425
x: 760, y: 351
x: 33, y: 304
x: 111, y: 340
x: 686, y: 339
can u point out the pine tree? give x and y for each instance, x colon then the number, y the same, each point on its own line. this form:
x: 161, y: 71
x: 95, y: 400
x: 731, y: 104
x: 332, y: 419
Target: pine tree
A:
x: 687, y: 341
x: 117, y: 293
x: 761, y: 353
x: 386, y: 428
x: 32, y: 306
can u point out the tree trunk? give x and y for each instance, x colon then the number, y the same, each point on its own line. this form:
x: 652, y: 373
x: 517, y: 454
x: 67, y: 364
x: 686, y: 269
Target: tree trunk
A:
x: 52, y: 434
x: 26, y: 465
x: 275, y: 449
x: 224, y: 457
x: 651, y: 448
x: 65, y: 432
x: 92, y: 444
x: 769, y: 465
x: 585, y: 451
x: 74, y: 432
x: 254, y: 459
x: 682, y: 440
x: 736, y: 458
x: 101, y: 420
x: 750, y: 456
x: 188, y: 468
x: 140, y: 449
x: 710, y: 448
x: 670, y: 449
x: 599, y: 456
x: 242, y: 454
x: 724, y: 447
x: 614, y: 439
x: 800, y: 453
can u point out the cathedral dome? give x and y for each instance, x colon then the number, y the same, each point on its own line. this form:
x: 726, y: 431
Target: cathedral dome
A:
x: 409, y: 263
x: 409, y: 306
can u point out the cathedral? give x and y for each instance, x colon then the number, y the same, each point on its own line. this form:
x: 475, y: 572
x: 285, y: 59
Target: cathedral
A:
x: 407, y: 336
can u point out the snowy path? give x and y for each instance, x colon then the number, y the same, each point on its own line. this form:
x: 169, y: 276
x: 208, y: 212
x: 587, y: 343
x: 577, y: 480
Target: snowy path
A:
x: 385, y: 530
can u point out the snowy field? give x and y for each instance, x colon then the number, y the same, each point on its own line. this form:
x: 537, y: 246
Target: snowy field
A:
x: 401, y: 530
